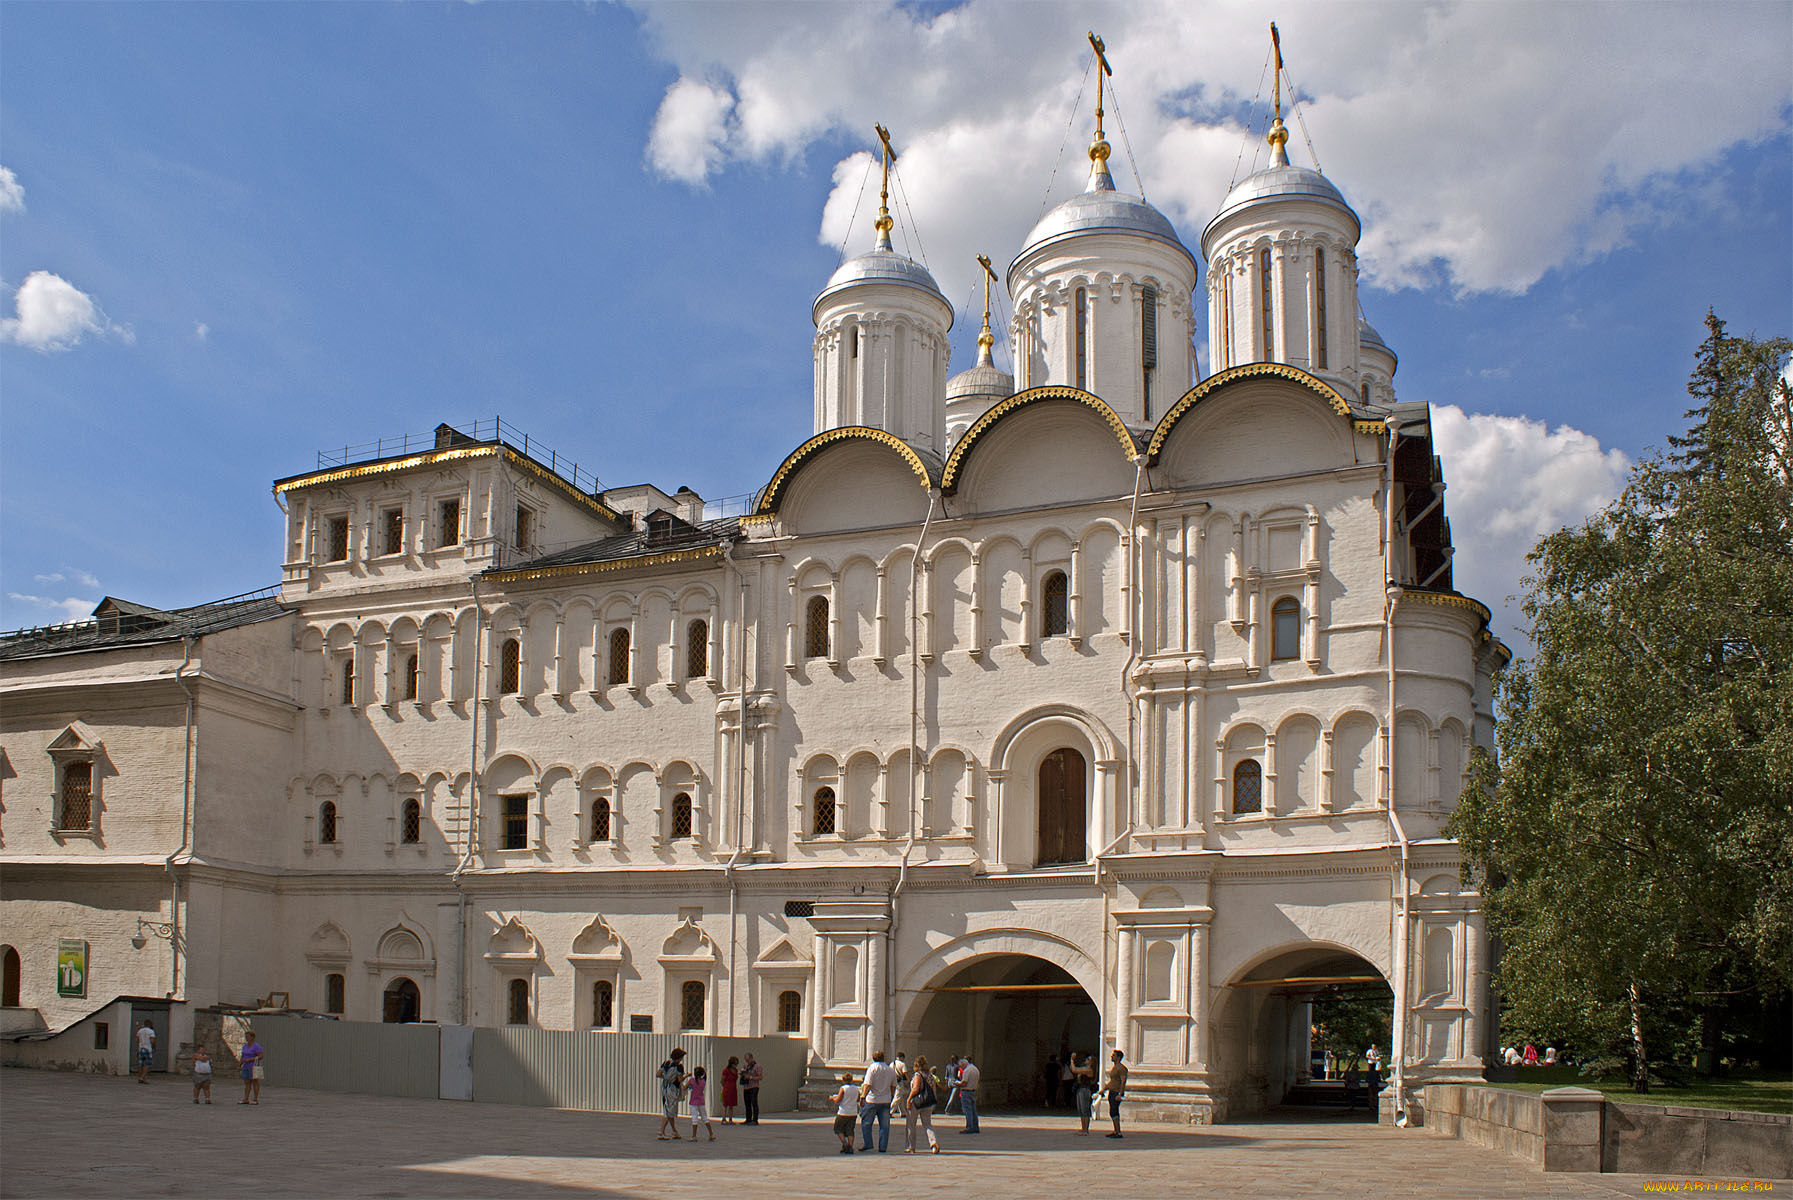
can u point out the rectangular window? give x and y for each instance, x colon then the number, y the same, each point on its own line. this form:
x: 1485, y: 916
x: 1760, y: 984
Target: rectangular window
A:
x: 410, y: 676
x: 336, y: 539
x: 333, y: 993
x: 1264, y: 298
x: 77, y: 796
x: 1148, y: 346
x: 392, y: 531
x: 102, y: 1035
x: 1082, y: 338
x: 1320, y: 308
x: 515, y: 833
x: 448, y: 522
x: 525, y: 528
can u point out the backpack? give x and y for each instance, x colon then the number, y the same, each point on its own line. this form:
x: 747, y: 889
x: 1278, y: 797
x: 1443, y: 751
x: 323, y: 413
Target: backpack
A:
x: 926, y: 1098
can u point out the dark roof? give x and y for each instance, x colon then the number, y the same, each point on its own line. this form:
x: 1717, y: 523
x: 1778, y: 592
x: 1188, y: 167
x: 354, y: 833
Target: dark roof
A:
x: 119, y: 623
x: 660, y: 537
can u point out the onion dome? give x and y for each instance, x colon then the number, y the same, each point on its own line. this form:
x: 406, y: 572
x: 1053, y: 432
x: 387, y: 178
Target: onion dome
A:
x: 882, y: 265
x: 1279, y: 181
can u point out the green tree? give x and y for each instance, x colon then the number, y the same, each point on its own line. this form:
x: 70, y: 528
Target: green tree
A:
x: 1636, y: 837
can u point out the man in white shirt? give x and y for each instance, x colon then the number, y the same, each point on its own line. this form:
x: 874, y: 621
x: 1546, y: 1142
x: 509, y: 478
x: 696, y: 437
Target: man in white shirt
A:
x: 877, y: 1092
x: 901, y: 1067
x: 969, y: 1078
x: 146, y: 1050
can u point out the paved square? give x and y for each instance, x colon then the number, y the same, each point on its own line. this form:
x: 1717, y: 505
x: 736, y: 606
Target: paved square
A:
x: 84, y: 1135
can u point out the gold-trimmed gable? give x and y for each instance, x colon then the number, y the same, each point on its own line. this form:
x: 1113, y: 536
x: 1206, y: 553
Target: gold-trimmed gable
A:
x: 955, y: 464
x: 1212, y: 384
x: 431, y: 458
x: 774, y: 492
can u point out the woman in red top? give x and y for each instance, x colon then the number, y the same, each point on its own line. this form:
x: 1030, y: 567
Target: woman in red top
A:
x: 731, y: 1076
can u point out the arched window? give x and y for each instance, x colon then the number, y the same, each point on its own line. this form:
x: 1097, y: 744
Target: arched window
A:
x: 348, y: 679
x: 1161, y: 961
x: 1082, y: 335
x: 402, y: 1004
x: 410, y: 677
x: 1061, y: 808
x: 510, y: 667
x: 603, y: 1004
x: 697, y: 650
x: 600, y: 819
x: 1264, y: 302
x: 327, y: 822
x: 411, y: 823
x: 1366, y: 393
x: 9, y: 977
x: 335, y: 1000
x: 517, y: 1002
x: 1319, y: 308
x: 1148, y: 346
x: 1248, y: 787
x: 1055, y: 605
x: 1285, y: 628
x: 619, y: 655
x: 691, y: 1005
x: 815, y: 628
x: 77, y: 796
x: 681, y: 815
x: 790, y: 1012
x: 822, y: 819
x: 1226, y: 319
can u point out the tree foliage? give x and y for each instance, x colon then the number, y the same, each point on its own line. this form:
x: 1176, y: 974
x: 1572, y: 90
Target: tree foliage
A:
x: 1636, y: 836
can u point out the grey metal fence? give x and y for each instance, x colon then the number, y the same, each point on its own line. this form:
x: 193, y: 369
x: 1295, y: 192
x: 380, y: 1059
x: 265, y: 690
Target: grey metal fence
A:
x: 351, y: 1056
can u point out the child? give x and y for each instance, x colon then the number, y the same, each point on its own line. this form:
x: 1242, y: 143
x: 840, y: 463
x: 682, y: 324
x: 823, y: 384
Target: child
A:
x: 202, y: 1075
x: 700, y: 1083
x: 846, y: 1112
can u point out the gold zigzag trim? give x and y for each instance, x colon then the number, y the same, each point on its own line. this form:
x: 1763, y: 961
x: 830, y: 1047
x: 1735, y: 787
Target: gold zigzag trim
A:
x: 614, y: 564
x: 775, y: 490
x: 949, y: 478
x: 1447, y: 600
x: 1213, y: 383
x: 434, y: 457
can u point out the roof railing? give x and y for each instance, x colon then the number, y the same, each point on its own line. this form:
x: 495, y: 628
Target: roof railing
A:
x: 483, y: 430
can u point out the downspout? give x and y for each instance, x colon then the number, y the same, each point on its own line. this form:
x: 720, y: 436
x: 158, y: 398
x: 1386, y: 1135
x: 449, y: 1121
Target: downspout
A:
x: 462, y: 1016
x: 174, y: 882
x: 890, y: 935
x: 1392, y: 597
x: 728, y: 869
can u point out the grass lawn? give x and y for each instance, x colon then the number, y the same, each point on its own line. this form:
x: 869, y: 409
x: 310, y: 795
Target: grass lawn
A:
x: 1749, y: 1094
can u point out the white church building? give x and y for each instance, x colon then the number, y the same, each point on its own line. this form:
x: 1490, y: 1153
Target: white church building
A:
x: 1098, y: 706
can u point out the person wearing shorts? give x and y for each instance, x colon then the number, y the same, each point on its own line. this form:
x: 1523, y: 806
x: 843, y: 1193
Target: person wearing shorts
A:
x: 1117, y: 1088
x: 202, y: 1075
x: 846, y: 1112
x: 251, y: 1059
x: 146, y: 1050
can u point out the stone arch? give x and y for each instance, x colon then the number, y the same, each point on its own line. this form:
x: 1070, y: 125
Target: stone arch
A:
x: 949, y: 957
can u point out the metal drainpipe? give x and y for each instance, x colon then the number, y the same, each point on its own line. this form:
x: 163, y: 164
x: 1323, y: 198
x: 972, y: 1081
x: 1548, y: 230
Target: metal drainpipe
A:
x: 890, y: 936
x: 1391, y: 598
x: 462, y: 1016
x: 728, y: 869
x: 174, y: 882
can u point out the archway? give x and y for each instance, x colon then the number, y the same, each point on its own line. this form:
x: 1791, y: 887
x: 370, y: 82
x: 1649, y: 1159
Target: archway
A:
x: 403, y: 1003
x: 1291, y: 1028
x: 9, y: 968
x: 1010, y: 1012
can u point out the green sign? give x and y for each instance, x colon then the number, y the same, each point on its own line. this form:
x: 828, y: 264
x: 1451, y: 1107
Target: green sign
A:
x: 71, y: 967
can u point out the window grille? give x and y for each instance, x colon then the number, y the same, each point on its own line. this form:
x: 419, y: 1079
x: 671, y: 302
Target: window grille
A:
x: 1320, y: 308
x: 510, y: 667
x: 815, y: 640
x: 327, y: 822
x: 1264, y: 302
x: 790, y: 1012
x: 525, y: 527
x: 515, y: 832
x: 348, y: 679
x: 448, y: 523
x: 1285, y: 629
x: 697, y: 650
x: 77, y: 796
x: 518, y: 1013
x: 410, y: 677
x: 392, y: 522
x: 412, y: 831
x: 823, y: 819
x: 338, y: 529
x: 619, y: 656
x: 799, y: 908
x: 681, y: 815
x: 1082, y: 320
x: 1248, y: 787
x: 603, y: 1004
x: 333, y: 994
x: 1055, y: 605
x: 1148, y: 345
x: 691, y: 1005
x: 600, y: 819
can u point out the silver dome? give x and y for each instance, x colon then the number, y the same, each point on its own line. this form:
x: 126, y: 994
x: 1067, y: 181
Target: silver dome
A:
x: 1103, y: 210
x: 1369, y: 339
x: 880, y: 266
x: 980, y: 381
x: 1280, y: 181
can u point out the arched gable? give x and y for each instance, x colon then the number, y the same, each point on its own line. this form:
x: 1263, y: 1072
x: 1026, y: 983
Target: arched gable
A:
x: 1258, y: 420
x: 872, y: 478
x: 1102, y: 740
x: 1028, y: 458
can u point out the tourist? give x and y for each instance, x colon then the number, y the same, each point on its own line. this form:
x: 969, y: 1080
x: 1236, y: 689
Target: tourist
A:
x: 751, y: 1075
x: 202, y: 1075
x: 1550, y: 1056
x: 952, y: 1083
x: 146, y: 1050
x: 251, y: 1059
x: 698, y: 1087
x: 902, y: 1085
x: 1050, y: 1075
x: 969, y: 1078
x: 1083, y: 1086
x: 1373, y: 1057
x: 919, y: 1107
x: 672, y: 1087
x: 1116, y: 1089
x: 876, y: 1096
x: 731, y: 1079
x: 846, y: 1113
x: 1531, y: 1055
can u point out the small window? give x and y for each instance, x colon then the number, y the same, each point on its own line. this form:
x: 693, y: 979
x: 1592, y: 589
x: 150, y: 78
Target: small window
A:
x: 77, y: 796
x: 1055, y: 605
x: 1248, y: 787
x: 327, y: 822
x: 448, y: 522
x: 347, y: 691
x: 822, y: 821
x: 525, y: 527
x: 410, y: 676
x: 600, y: 819
x: 1264, y: 301
x: 799, y: 908
x: 510, y: 667
x: 697, y: 650
x: 411, y: 823
x: 790, y: 1012
x: 336, y: 537
x: 334, y: 994
x: 517, y: 1010
x: 681, y: 815
x: 1148, y: 346
x: 392, y: 531
x: 1285, y: 629
x: 102, y: 1035
x: 691, y: 1005
x: 815, y: 628
x: 853, y: 342
x: 515, y: 832
x: 1320, y: 308
x: 603, y: 1004
x: 619, y: 656
x: 1365, y: 392
x: 1082, y: 350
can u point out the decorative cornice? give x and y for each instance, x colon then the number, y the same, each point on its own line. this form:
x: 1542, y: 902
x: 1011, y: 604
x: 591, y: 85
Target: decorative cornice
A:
x: 1231, y: 375
x: 1447, y: 600
x: 431, y: 458
x: 949, y: 478
x: 529, y: 574
x: 774, y: 491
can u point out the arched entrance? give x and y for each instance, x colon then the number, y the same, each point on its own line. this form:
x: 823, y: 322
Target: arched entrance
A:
x: 1288, y: 1029
x: 1010, y: 1012
x: 9, y: 968
x: 403, y: 1003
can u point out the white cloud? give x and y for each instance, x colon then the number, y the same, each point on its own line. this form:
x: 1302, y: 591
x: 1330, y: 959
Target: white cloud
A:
x: 201, y: 331
x: 1509, y: 481
x: 73, y: 575
x: 57, y: 610
x: 53, y: 314
x: 1483, y: 144
x: 12, y: 192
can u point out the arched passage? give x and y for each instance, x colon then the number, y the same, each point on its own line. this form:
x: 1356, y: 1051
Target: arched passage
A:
x: 403, y: 1003
x: 9, y: 968
x: 1273, y: 1022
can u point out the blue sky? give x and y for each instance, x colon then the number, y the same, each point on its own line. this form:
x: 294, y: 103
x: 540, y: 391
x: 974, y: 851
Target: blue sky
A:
x: 235, y: 234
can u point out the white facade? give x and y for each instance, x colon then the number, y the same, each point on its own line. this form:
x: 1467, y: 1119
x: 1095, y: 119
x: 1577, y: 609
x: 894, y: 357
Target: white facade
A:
x: 1164, y: 718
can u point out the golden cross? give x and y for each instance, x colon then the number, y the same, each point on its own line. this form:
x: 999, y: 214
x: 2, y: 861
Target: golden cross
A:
x: 989, y: 278
x: 1101, y: 58
x: 884, y: 222
x: 1276, y: 47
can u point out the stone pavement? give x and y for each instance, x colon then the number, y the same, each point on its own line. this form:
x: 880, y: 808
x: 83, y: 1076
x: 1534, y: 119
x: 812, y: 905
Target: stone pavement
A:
x: 85, y: 1135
